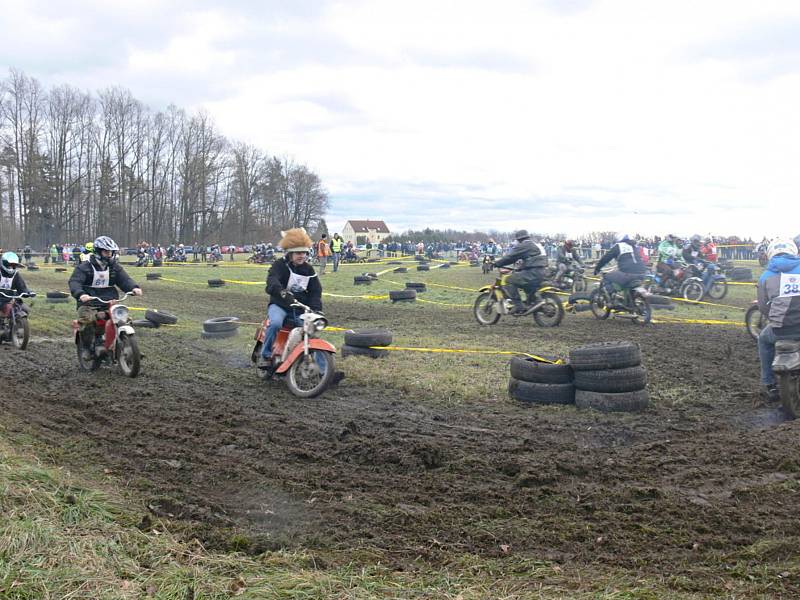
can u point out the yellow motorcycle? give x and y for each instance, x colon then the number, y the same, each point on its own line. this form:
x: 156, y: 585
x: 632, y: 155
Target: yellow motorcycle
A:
x: 493, y: 302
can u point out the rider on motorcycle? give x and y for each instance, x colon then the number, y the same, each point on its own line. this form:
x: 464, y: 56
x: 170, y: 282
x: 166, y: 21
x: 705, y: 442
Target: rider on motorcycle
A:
x: 630, y: 266
x: 779, y: 300
x: 530, y: 262
x: 99, y: 277
x: 693, y: 255
x: 11, y: 281
x: 668, y: 255
x: 289, y: 278
x: 567, y: 255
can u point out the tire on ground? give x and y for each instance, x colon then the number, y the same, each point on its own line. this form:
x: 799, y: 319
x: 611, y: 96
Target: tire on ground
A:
x: 423, y: 267
x: 657, y: 300
x: 362, y: 280
x: 57, y: 295
x: 145, y: 324
x: 56, y: 300
x: 742, y: 274
x: 153, y: 276
x: 579, y: 297
x: 541, y: 393
x: 608, y: 402
x: 364, y: 338
x: 60, y: 270
x: 160, y: 317
x: 407, y: 295
x: 605, y: 355
x: 401, y: 270
x: 221, y: 324
x: 217, y: 335
x: 524, y: 368
x: 215, y: 283
x: 347, y: 350
x: 414, y: 285
x: 626, y: 379
x: 444, y: 266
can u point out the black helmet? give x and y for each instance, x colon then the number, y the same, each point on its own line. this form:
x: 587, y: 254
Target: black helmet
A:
x: 695, y: 240
x: 104, y: 243
x: 522, y: 234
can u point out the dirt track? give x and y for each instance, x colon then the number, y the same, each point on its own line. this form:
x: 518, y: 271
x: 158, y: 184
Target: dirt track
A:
x: 687, y: 486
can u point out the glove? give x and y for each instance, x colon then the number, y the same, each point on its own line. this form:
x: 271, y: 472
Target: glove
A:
x: 597, y: 271
x: 287, y: 296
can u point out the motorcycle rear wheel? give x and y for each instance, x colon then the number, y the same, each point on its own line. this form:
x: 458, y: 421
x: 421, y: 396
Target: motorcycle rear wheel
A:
x: 306, y: 378
x: 484, y: 309
x: 128, y: 356
x: 789, y: 386
x: 87, y: 365
x: 21, y: 333
x: 550, y: 313
x: 641, y: 308
x: 718, y: 290
x: 599, y: 304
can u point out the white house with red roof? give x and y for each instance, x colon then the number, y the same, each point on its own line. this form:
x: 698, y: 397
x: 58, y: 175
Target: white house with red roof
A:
x: 361, y: 232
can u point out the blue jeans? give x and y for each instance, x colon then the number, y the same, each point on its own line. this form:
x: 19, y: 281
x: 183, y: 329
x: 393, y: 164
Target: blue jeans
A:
x: 708, y: 277
x: 336, y: 257
x: 766, y: 354
x: 277, y: 315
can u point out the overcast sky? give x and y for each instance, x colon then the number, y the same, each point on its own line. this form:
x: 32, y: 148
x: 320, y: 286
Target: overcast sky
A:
x: 558, y: 115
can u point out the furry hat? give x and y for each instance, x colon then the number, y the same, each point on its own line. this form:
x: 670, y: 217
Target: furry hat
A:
x: 295, y: 240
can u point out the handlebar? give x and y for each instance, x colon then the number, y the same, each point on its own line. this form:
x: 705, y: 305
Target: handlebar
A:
x: 19, y: 297
x: 125, y: 295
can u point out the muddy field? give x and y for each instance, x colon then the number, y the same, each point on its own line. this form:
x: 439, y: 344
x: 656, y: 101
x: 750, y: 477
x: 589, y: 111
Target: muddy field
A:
x: 701, y: 488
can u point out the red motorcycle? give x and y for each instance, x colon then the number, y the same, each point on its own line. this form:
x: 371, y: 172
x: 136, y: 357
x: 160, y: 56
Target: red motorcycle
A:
x: 114, y: 340
x: 14, y: 321
x: 305, y: 361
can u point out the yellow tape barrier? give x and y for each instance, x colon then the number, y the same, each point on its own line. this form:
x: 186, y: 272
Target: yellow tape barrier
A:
x: 462, y: 351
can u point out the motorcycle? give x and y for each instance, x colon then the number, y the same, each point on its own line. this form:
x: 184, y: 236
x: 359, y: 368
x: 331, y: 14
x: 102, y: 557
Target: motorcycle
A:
x: 260, y: 259
x: 625, y: 303
x: 694, y: 289
x: 572, y: 280
x: 755, y: 320
x: 493, y: 302
x: 304, y: 361
x: 114, y: 340
x: 786, y: 367
x: 14, y: 326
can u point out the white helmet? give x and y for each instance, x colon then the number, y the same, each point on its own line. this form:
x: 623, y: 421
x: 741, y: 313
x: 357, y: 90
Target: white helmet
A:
x: 622, y: 237
x: 780, y: 246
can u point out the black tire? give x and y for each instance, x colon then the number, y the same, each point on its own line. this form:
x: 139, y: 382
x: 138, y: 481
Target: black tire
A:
x: 33, y: 268
x: 656, y: 300
x: 57, y: 300
x: 221, y: 324
x: 362, y: 280
x: 551, y: 313
x: 605, y: 355
x: 692, y: 290
x: 402, y: 295
x: 218, y: 335
x: 60, y: 270
x: 215, y: 283
x: 364, y: 338
x: 401, y: 270
x: 608, y: 402
x: 541, y: 393
x: 484, y: 309
x: 129, y: 358
x: 627, y: 379
x: 307, y: 368
x: 21, y: 334
x: 755, y: 321
x: 414, y: 285
x: 394, y: 262
x: 347, y: 350
x: 579, y: 284
x: 423, y: 268
x: 89, y: 365
x: 528, y: 369
x: 742, y: 274
x: 153, y: 276
x: 57, y: 295
x: 444, y: 266
x: 145, y: 324
x: 600, y: 309
x: 642, y: 308
x: 718, y: 289
x: 580, y: 297
x: 160, y: 317
x: 372, y: 260
x: 373, y: 276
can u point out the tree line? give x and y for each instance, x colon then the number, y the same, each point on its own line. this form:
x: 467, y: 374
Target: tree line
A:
x: 76, y: 164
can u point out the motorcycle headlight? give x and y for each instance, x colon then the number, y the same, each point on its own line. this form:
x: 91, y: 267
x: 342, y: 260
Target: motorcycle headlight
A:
x: 320, y: 324
x: 119, y: 313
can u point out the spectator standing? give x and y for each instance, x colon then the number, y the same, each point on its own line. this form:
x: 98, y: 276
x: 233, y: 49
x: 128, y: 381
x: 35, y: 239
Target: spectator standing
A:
x: 336, y: 251
x: 323, y: 251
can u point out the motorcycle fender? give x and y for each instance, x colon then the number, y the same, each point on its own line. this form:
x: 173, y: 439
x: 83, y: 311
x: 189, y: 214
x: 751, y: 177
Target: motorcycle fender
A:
x: 485, y: 288
x: 126, y: 329
x: 548, y: 288
x: 315, y: 343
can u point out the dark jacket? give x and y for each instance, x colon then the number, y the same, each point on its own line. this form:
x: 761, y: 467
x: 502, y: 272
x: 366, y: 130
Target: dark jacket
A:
x: 567, y: 256
x: 530, y: 254
x: 278, y: 279
x: 628, y: 257
x: 17, y: 287
x: 692, y: 255
x: 783, y: 311
x: 81, y: 283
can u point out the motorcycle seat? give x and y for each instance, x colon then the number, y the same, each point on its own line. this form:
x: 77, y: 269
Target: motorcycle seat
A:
x: 786, y: 346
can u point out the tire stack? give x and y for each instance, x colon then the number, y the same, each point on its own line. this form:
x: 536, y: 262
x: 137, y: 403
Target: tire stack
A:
x: 609, y: 377
x: 57, y: 297
x: 406, y: 295
x: 741, y: 274
x: 416, y: 286
x: 358, y: 342
x: 220, y: 328
x: 153, y: 319
x: 536, y: 382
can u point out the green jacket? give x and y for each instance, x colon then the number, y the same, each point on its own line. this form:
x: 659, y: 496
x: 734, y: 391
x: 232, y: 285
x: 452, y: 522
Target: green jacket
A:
x: 667, y: 250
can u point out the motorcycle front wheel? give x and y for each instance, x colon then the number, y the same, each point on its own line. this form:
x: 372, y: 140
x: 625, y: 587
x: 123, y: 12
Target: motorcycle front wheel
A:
x: 311, y: 374
x: 718, y: 289
x: 21, y: 333
x: 599, y: 304
x: 128, y: 356
x: 550, y: 313
x: 755, y: 321
x: 484, y: 309
x: 693, y: 290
